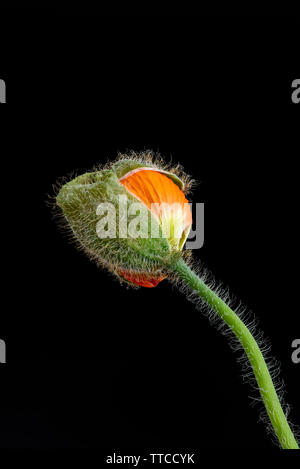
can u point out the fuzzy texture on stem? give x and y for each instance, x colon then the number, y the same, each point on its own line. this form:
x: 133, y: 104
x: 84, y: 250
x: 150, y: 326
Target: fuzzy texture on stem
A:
x: 252, y: 350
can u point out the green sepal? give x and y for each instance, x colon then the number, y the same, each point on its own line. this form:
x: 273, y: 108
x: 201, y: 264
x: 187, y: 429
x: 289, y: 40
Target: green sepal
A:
x: 79, y: 200
x: 123, y: 167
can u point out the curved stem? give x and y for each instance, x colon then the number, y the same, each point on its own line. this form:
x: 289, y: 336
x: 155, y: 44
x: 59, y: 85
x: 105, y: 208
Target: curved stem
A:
x: 260, y: 369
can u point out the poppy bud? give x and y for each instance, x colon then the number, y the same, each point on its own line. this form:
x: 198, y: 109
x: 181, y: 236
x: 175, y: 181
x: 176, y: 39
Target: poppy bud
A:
x: 132, y: 217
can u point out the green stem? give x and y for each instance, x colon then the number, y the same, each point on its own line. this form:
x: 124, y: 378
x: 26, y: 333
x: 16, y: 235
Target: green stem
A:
x: 260, y: 369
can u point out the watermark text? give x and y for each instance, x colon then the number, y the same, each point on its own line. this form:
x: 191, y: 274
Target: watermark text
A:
x: 2, y: 91
x: 296, y: 92
x: 172, y: 221
x: 2, y: 351
x: 296, y: 352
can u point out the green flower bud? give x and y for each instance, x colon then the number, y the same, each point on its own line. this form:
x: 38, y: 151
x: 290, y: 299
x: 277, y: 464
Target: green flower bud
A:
x: 133, y: 245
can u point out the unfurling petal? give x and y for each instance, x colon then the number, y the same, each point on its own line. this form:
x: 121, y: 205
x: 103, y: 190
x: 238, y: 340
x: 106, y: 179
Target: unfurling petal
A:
x: 164, y: 199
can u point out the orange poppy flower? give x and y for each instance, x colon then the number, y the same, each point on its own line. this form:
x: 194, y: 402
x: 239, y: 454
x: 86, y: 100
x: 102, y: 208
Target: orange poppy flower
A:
x: 167, y: 204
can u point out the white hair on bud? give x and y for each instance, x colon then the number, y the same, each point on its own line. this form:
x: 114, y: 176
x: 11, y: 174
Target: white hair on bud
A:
x: 154, y: 159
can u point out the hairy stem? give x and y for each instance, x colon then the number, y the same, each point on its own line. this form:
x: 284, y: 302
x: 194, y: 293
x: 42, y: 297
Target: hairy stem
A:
x: 260, y: 369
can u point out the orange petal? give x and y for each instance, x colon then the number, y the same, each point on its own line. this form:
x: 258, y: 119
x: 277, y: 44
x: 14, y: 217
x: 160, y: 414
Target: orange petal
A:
x: 142, y: 279
x: 152, y: 187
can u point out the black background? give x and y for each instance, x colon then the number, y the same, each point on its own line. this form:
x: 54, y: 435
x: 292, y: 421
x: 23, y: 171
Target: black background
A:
x: 90, y: 363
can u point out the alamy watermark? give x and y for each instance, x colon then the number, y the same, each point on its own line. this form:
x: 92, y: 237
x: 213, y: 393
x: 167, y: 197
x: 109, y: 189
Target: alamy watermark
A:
x: 296, y: 93
x: 171, y: 221
x: 2, y: 91
x: 2, y: 351
x: 296, y: 352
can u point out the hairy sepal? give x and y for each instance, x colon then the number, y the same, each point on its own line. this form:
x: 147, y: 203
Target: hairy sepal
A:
x: 79, y: 199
